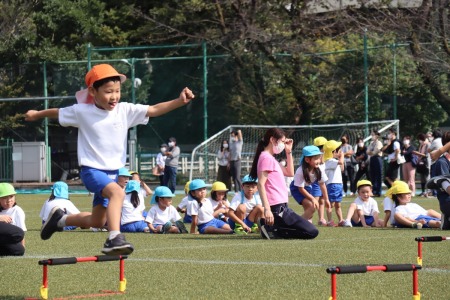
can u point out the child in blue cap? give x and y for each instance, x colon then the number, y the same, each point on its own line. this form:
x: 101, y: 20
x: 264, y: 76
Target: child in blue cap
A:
x: 163, y: 216
x: 132, y: 219
x: 307, y: 176
x: 59, y: 198
x: 246, y: 207
x: 202, y: 212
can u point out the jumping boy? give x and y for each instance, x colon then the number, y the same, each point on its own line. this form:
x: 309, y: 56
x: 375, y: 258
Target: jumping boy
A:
x: 102, y: 123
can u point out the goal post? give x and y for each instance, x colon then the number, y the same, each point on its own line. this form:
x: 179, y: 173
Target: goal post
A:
x: 204, y: 162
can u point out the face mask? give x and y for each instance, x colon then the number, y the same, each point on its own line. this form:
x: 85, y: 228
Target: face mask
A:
x: 283, y: 163
x: 277, y: 149
x: 225, y: 146
x: 430, y: 139
x: 406, y: 142
x: 360, y: 145
x: 171, y: 144
x: 389, y: 136
x: 374, y: 138
x: 163, y: 149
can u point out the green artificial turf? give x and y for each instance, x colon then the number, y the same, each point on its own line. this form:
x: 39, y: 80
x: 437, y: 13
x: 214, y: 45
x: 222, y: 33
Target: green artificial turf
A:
x: 236, y: 267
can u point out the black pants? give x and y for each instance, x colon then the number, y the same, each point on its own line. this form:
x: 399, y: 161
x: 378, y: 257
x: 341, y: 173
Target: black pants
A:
x: 235, y: 170
x: 375, y: 169
x: 11, y: 240
x: 348, y: 176
x: 391, y: 173
x: 289, y: 225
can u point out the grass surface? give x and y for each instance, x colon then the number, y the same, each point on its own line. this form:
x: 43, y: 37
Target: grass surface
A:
x: 246, y: 267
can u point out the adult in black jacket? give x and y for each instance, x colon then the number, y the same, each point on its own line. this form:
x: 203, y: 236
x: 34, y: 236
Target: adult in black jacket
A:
x: 392, y: 150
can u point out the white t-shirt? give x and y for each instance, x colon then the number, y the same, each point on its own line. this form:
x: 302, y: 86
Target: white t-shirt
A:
x: 435, y: 144
x: 215, y: 203
x: 299, y: 180
x: 410, y: 210
x: 184, y: 202
x: 368, y: 207
x: 161, y: 160
x: 333, y: 171
x: 102, y: 134
x: 64, y: 204
x: 204, y: 213
x: 240, y: 198
x: 388, y: 204
x: 395, y: 147
x: 17, y: 215
x: 129, y: 212
x: 156, y: 216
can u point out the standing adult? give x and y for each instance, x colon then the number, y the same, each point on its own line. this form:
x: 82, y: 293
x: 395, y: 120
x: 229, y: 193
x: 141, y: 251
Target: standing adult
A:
x: 223, y: 155
x: 392, y: 149
x: 375, y: 163
x: 170, y: 169
x: 408, y: 169
x: 349, y: 170
x: 423, y: 166
x: 436, y: 143
x: 363, y: 165
x: 235, y: 144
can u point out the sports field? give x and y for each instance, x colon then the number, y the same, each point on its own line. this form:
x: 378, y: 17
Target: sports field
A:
x: 228, y: 267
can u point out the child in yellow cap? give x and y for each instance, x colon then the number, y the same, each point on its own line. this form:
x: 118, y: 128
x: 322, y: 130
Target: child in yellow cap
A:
x: 182, y: 207
x: 103, y: 122
x: 334, y: 166
x: 363, y: 212
x: 12, y: 223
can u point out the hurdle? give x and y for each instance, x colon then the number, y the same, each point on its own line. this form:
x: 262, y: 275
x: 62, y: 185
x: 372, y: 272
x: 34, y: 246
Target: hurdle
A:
x: 73, y: 260
x: 385, y: 268
x: 422, y: 239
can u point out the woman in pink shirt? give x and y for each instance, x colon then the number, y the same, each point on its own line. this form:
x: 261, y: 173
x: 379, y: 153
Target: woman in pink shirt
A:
x: 279, y: 221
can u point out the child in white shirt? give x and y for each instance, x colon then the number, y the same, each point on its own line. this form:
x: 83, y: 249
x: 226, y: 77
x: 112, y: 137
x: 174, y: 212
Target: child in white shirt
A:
x: 202, y: 212
x: 363, y: 212
x: 132, y: 219
x: 182, y: 207
x: 246, y: 208
x: 10, y: 209
x: 334, y: 166
x: 219, y: 200
x: 59, y: 198
x: 163, y: 216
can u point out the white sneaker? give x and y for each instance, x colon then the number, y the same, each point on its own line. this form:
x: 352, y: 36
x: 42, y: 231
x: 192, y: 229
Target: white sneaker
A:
x: 347, y: 223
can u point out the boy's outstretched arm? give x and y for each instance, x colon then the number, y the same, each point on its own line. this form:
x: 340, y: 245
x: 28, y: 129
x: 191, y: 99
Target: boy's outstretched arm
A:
x: 34, y: 115
x: 162, y: 108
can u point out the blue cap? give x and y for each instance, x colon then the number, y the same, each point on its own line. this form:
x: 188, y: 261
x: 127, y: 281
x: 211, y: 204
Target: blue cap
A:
x: 132, y: 185
x: 124, y: 172
x: 196, y: 184
x: 161, y: 191
x: 308, y: 151
x: 248, y: 178
x: 60, y: 190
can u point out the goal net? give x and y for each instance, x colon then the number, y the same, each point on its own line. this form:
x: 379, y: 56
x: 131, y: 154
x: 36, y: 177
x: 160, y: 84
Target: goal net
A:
x: 204, y: 162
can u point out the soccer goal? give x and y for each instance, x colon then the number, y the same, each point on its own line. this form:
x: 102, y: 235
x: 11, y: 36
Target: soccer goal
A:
x: 204, y: 163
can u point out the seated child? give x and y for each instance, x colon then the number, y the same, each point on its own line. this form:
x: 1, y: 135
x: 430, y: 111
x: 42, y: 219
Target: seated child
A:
x: 219, y: 200
x: 163, y: 216
x: 246, y: 208
x: 182, y: 207
x: 363, y: 212
x: 309, y: 181
x: 9, y: 209
x: 409, y: 214
x: 145, y: 189
x: 202, y: 212
x: 389, y: 206
x: 59, y: 198
x: 133, y: 207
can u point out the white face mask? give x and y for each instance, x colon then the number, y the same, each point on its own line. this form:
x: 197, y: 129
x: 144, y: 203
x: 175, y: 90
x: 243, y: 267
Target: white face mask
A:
x: 163, y: 149
x: 374, y: 137
x: 406, y: 142
x: 389, y: 136
x: 278, y: 148
x: 360, y: 145
x: 431, y: 139
x: 225, y: 146
x: 283, y: 163
x: 171, y: 144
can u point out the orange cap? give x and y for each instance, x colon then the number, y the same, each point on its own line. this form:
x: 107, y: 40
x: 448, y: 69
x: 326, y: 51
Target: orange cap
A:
x: 102, y: 71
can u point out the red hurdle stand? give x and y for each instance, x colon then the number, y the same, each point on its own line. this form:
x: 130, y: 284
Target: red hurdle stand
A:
x: 385, y: 268
x: 74, y: 260
x: 421, y: 239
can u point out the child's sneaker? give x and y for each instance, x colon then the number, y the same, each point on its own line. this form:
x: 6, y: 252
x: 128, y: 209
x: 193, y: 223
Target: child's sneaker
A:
x: 345, y: 223
x: 51, y: 225
x: 417, y: 225
x: 331, y: 224
x: 435, y: 183
x: 239, y: 230
x: 166, y: 227
x: 322, y: 223
x: 255, y: 228
x: 181, y: 227
x: 117, y: 246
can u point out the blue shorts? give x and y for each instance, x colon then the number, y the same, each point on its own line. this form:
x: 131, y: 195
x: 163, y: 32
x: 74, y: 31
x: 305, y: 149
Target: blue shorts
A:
x: 334, y: 192
x: 138, y: 226
x: 187, y: 219
x: 421, y: 217
x: 95, y: 181
x: 313, y: 189
x: 213, y: 223
x: 369, y: 221
x: 246, y: 221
